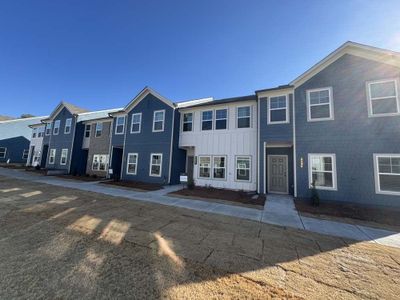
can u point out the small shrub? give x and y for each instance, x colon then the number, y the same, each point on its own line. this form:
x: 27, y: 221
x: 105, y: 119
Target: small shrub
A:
x: 314, y: 195
x: 94, y: 176
x: 190, y: 184
x: 37, y: 167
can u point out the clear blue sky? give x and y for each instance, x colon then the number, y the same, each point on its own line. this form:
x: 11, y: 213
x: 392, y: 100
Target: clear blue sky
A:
x: 100, y: 54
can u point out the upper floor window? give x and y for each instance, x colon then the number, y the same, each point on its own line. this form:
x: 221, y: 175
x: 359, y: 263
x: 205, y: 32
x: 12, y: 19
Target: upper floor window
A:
x: 87, y: 130
x: 221, y: 119
x: 383, y: 99
x: 322, y: 171
x: 48, y: 128
x: 136, y: 123
x: 206, y: 120
x: 34, y: 131
x: 25, y: 154
x: 56, y: 129
x: 187, y: 122
x: 243, y: 117
x: 68, y: 123
x: 40, y: 132
x: 3, y: 152
x: 158, y: 120
x: 278, y: 111
x: 99, y: 129
x: 387, y: 173
x: 319, y: 104
x: 120, y: 125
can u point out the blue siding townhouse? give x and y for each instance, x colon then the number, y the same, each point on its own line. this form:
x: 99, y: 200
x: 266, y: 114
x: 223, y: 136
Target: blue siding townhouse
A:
x: 144, y: 143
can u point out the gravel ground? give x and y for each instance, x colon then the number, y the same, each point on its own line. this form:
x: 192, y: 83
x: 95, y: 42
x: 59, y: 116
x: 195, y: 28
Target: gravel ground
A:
x: 63, y: 243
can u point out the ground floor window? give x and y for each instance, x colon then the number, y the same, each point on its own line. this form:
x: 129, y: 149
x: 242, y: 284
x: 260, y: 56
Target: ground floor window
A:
x: 3, y: 151
x: 205, y: 166
x: 52, y: 156
x: 322, y: 171
x: 132, y: 164
x: 36, y: 156
x: 243, y: 165
x: 219, y: 167
x: 387, y: 173
x: 155, y: 164
x: 100, y: 162
x: 25, y: 154
x: 64, y: 154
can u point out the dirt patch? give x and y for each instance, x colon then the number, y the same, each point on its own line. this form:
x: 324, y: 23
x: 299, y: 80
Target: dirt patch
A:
x: 81, y: 178
x: 350, y: 211
x: 13, y: 166
x: 33, y: 170
x: 222, y: 194
x: 137, y: 185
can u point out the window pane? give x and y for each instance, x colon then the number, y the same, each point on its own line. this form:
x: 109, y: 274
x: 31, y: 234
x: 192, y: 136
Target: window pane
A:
x: 384, y: 89
x: 244, y: 122
x: 135, y: 127
x: 132, y: 159
x: 155, y: 170
x: 159, y: 116
x: 278, y: 102
x: 278, y: 115
x: 390, y: 183
x: 384, y: 106
x: 219, y: 173
x: 158, y: 125
x: 219, y: 162
x: 206, y: 125
x: 205, y: 166
x: 207, y: 115
x: 242, y: 174
x: 322, y: 179
x: 321, y: 111
x: 131, y: 168
x: 220, y: 124
x: 136, y: 118
x: 187, y: 126
x: 243, y: 112
x: 187, y: 117
x: 243, y: 163
x: 221, y: 114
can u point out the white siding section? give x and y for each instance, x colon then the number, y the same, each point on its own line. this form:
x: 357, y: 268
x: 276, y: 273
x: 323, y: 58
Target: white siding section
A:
x: 36, y: 142
x: 231, y: 142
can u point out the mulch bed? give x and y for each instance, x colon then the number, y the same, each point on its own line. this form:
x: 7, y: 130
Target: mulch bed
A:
x: 222, y: 194
x: 352, y: 211
x: 136, y: 185
x: 40, y: 171
x: 81, y: 178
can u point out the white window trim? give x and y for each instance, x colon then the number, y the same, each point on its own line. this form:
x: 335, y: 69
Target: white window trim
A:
x: 137, y: 162
x: 334, y: 172
x: 86, y: 130
x: 376, y: 173
x: 211, y: 166
x: 101, y: 131
x: 140, y: 123
x: 251, y: 117
x: 154, y: 120
x: 27, y: 153
x: 151, y: 164
x: 106, y: 161
x: 272, y: 109
x: 69, y: 127
x: 98, y: 161
x: 226, y: 119
x: 331, y: 107
x: 58, y: 128
x: 66, y: 156
x: 183, y: 121
x: 225, y: 168
x: 236, y: 167
x: 5, y: 152
x: 212, y: 120
x: 116, y: 125
x: 47, y: 129
x: 369, y: 98
x: 54, y: 157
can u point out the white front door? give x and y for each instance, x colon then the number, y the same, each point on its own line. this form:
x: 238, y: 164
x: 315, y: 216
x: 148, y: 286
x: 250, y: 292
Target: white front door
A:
x: 277, y: 174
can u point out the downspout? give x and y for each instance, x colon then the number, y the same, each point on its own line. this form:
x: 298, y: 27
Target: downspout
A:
x: 258, y: 145
x: 171, y: 148
x: 109, y: 146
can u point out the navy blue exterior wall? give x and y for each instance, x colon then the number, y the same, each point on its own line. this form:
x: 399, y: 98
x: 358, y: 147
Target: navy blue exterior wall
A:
x: 62, y: 140
x: 79, y: 155
x: 274, y: 134
x: 147, y: 142
x: 352, y: 135
x: 15, y: 148
x: 178, y: 155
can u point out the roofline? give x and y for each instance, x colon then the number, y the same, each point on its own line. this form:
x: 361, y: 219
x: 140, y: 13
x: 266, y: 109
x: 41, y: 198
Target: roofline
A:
x: 147, y: 90
x: 98, y: 111
x: 281, y: 87
x: 224, y: 101
x: 21, y: 119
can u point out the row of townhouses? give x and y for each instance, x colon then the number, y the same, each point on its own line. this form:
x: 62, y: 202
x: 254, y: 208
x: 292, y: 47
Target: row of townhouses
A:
x: 337, y: 125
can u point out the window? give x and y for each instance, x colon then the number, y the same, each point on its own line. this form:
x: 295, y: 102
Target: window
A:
x: 52, y: 156
x: 387, y: 173
x: 132, y: 164
x: 67, y: 128
x: 243, y: 117
x: 221, y: 117
x: 48, y: 128
x: 34, y: 132
x: 120, y: 125
x: 155, y: 164
x: 322, y: 171
x: 278, y: 111
x: 100, y: 162
x: 158, y: 120
x: 219, y: 167
x: 136, y: 123
x: 187, y: 122
x: 40, y: 132
x: 99, y: 129
x: 383, y: 98
x: 25, y: 154
x: 319, y: 104
x: 3, y: 152
x: 87, y: 130
x: 205, y: 167
x: 243, y: 164
x: 206, y: 120
x: 56, y: 129
x: 64, y: 154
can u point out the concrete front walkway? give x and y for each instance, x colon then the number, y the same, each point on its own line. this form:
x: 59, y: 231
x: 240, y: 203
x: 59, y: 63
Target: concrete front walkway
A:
x: 278, y: 210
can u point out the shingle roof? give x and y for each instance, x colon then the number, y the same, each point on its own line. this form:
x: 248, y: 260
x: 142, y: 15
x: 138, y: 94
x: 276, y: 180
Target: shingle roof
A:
x: 281, y: 87
x: 74, y: 109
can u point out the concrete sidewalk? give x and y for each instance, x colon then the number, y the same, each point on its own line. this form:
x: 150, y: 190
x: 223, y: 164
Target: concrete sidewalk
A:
x: 278, y: 210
